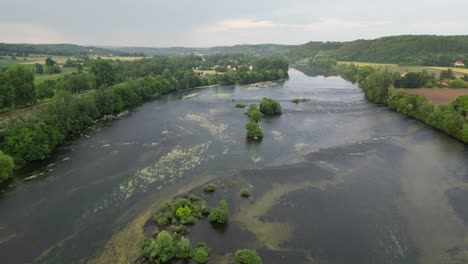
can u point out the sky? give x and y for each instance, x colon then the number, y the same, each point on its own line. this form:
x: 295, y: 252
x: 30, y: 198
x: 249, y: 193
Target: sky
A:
x: 205, y: 23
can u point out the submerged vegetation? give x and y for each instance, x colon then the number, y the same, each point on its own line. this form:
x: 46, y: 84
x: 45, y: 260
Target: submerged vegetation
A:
x: 245, y: 192
x: 297, y: 100
x: 241, y: 105
x: 182, y: 211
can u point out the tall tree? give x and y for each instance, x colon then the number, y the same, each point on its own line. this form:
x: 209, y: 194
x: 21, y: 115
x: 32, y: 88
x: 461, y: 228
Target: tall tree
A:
x: 102, y: 73
x: 23, y: 83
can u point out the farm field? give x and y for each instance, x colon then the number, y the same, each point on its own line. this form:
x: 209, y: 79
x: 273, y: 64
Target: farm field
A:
x: 438, y: 95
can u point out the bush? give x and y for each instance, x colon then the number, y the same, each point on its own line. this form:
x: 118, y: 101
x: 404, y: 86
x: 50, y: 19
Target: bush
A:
x: 298, y: 100
x: 160, y: 249
x: 201, y: 254
x: 6, y: 167
x: 220, y: 214
x: 181, y: 210
x: 458, y: 83
x: 254, y: 131
x: 254, y: 114
x: 239, y: 105
x: 270, y: 107
x: 209, y: 188
x: 247, y: 256
x: 245, y: 192
x: 184, y: 248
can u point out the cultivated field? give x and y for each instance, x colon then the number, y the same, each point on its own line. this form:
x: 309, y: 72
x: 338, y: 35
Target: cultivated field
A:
x: 438, y: 95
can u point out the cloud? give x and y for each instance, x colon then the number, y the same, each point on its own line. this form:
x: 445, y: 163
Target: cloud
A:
x: 235, y: 24
x: 28, y: 33
x: 253, y: 24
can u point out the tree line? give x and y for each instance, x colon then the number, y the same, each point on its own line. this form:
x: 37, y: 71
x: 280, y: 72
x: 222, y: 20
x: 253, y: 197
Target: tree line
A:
x: 379, y: 86
x: 116, y: 86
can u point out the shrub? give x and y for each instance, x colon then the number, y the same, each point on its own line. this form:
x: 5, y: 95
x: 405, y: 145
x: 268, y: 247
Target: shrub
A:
x: 247, y: 256
x: 160, y: 249
x: 201, y: 254
x: 254, y: 114
x: 240, y: 105
x: 458, y: 83
x: 6, y: 166
x: 181, y: 210
x: 297, y: 100
x: 184, y: 248
x: 245, y: 192
x: 209, y: 188
x: 219, y: 214
x: 254, y: 131
x: 270, y: 107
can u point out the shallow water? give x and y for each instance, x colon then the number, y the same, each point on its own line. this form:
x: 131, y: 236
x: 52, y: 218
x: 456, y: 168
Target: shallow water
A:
x: 335, y: 180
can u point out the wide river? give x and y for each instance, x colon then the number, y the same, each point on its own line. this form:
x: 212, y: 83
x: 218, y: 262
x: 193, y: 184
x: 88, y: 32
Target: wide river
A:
x: 335, y: 180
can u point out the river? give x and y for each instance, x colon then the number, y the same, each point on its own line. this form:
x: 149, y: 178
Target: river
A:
x: 335, y: 180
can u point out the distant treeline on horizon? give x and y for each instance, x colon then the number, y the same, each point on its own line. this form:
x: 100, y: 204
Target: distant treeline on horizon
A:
x: 426, y: 50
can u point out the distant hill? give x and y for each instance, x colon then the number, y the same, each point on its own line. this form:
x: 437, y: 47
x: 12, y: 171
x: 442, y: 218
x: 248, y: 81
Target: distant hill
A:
x: 405, y: 49
x: 56, y: 49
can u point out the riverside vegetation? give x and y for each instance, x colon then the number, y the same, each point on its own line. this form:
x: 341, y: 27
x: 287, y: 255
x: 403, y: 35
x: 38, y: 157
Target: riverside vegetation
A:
x: 108, y: 87
x: 173, y: 218
x: 267, y: 107
x: 382, y: 87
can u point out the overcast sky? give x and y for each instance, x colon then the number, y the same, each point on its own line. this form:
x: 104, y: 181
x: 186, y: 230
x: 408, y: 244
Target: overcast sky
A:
x: 201, y: 23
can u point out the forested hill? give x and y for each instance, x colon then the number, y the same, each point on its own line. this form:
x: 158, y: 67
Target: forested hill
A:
x: 409, y: 49
x: 56, y: 49
x: 406, y: 49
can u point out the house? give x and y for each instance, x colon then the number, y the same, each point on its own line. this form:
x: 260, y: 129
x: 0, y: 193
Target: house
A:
x: 250, y: 68
x: 459, y: 63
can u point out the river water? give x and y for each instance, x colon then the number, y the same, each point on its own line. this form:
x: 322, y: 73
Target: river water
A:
x: 335, y: 180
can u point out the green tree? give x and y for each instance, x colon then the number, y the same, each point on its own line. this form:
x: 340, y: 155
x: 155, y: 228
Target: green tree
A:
x: 23, y: 83
x: 7, y: 92
x: 254, y: 131
x: 220, y: 214
x: 50, y: 62
x: 270, y: 107
x: 184, y: 248
x: 448, y: 74
x: 161, y: 249
x: 6, y: 166
x: 465, y: 77
x: 376, y: 86
x: 458, y: 83
x: 247, y: 256
x: 74, y: 83
x: 38, y: 69
x: 201, y: 254
x: 254, y: 114
x: 102, y: 73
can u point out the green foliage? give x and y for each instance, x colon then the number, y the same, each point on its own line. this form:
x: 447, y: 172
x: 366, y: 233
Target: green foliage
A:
x: 245, y: 192
x: 45, y: 89
x: 298, y: 100
x: 458, y: 83
x: 201, y: 254
x: 184, y: 248
x: 22, y: 82
x: 180, y: 210
x: 270, y: 107
x: 465, y: 77
x: 220, y: 214
x: 102, y: 72
x: 376, y: 86
x: 6, y: 166
x: 74, y: 83
x: 160, y: 249
x: 247, y: 256
x: 240, y: 105
x: 209, y: 188
x: 254, y: 114
x: 254, y: 131
x: 447, y: 74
